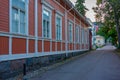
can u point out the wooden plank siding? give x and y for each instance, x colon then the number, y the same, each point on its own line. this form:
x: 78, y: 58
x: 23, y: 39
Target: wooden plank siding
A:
x: 35, y: 45
x: 4, y: 15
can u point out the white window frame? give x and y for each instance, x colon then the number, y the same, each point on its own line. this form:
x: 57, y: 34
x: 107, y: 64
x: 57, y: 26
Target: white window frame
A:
x: 50, y: 11
x: 86, y: 36
x: 70, y: 30
x: 83, y: 35
x: 59, y: 16
x: 77, y: 36
x: 26, y: 17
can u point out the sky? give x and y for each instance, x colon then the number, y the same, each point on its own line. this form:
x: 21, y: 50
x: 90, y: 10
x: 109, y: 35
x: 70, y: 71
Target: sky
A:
x: 89, y: 4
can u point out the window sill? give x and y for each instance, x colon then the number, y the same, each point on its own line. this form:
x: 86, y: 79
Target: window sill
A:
x: 18, y: 34
x: 58, y: 40
x: 46, y: 38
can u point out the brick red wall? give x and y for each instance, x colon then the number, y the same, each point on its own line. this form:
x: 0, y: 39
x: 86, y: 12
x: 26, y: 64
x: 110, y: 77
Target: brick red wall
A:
x: 46, y: 46
x: 58, y: 46
x: 31, y: 17
x: 63, y: 27
x: 39, y: 18
x: 18, y: 45
x: 71, y: 46
x: 53, y: 25
x: 31, y: 46
x: 63, y: 46
x: 4, y: 45
x: 4, y: 15
x: 53, y: 46
x: 40, y: 46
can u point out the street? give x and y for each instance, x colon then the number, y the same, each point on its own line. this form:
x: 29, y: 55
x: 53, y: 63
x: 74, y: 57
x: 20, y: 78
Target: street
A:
x: 102, y: 64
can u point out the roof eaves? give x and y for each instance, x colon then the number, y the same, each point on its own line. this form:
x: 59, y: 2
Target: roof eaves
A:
x: 71, y: 5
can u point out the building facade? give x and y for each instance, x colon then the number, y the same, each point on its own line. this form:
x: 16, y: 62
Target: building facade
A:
x: 30, y: 28
x: 36, y: 28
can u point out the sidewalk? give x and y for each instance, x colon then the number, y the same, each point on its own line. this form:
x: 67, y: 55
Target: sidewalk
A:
x: 107, y: 47
x: 99, y: 65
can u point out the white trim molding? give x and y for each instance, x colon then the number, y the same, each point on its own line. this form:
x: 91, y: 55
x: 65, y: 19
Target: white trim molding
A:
x: 50, y: 28
x: 45, y: 3
x: 60, y: 13
x: 36, y: 25
x: 21, y: 56
x: 60, y: 17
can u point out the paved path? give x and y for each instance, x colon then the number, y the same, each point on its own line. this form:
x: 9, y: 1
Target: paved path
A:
x: 108, y: 47
x: 98, y: 65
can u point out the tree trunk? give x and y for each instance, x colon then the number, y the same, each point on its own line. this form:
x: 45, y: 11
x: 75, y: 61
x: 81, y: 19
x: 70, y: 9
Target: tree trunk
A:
x: 117, y: 26
x: 118, y: 33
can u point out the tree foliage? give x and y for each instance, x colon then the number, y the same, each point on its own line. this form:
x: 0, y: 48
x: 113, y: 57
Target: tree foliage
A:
x: 110, y: 10
x: 81, y: 7
x: 108, y: 32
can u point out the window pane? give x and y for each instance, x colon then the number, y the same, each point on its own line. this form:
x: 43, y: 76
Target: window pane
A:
x: 70, y: 32
x: 48, y: 28
x: 77, y: 34
x: 15, y: 18
x: 58, y: 21
x: 19, y: 4
x: 58, y: 26
x: 22, y: 22
x: 46, y: 15
x: 22, y: 28
x: 22, y: 16
x: 46, y: 24
x: 44, y: 31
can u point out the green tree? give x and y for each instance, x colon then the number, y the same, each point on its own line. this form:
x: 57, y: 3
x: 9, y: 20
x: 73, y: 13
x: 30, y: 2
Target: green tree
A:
x: 80, y: 7
x: 110, y: 10
x: 108, y: 32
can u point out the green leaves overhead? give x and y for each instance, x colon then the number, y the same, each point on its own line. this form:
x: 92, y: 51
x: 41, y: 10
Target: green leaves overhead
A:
x: 108, y: 12
x: 80, y: 7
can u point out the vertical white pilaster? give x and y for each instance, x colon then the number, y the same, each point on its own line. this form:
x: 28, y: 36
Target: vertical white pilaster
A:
x: 10, y: 26
x: 36, y: 26
x: 66, y: 35
x: 74, y: 33
x: 27, y: 27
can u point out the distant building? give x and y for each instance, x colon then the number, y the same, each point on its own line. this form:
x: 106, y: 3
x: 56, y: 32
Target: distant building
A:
x: 93, y: 28
x: 100, y: 41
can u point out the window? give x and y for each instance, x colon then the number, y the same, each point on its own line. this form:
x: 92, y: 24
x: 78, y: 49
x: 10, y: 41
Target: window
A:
x: 77, y: 34
x: 19, y: 16
x: 83, y: 36
x: 70, y: 31
x: 46, y: 23
x: 58, y: 27
x: 86, y: 39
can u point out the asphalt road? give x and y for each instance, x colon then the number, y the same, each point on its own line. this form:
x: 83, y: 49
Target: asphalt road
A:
x: 98, y: 65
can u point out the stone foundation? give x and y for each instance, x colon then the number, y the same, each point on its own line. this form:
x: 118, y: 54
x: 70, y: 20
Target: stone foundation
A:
x: 14, y: 68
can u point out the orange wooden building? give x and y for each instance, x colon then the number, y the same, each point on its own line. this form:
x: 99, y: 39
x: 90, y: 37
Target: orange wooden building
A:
x: 36, y: 28
x: 32, y: 28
